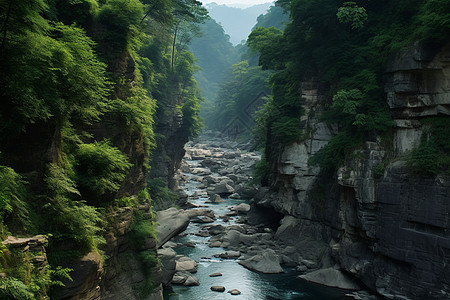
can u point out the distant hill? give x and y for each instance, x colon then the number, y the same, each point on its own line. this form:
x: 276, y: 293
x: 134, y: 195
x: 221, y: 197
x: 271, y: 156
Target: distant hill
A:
x: 237, y: 22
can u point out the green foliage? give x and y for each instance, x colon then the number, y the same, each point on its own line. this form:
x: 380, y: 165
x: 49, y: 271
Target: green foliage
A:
x: 24, y: 279
x: 100, y: 167
x: 50, y: 77
x: 13, y: 289
x: 432, y: 157
x: 352, y: 14
x: 141, y: 230
x: 162, y: 197
x: 121, y: 16
x: 334, y: 153
x: 69, y: 220
x: 13, y: 207
x: 269, y: 43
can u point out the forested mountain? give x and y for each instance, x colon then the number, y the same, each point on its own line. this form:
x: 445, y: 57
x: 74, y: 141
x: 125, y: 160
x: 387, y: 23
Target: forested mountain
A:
x: 243, y: 87
x: 89, y: 89
x: 215, y: 55
x: 237, y: 22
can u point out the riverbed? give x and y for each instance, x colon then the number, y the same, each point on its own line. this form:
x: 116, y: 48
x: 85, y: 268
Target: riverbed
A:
x: 252, y: 285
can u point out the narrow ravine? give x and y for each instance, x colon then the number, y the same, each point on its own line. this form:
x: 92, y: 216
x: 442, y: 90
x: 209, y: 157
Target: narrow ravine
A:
x: 221, y: 237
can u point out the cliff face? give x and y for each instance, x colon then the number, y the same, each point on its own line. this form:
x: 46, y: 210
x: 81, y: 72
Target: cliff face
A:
x: 387, y: 228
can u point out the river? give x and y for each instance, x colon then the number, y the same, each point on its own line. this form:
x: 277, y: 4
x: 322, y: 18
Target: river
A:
x: 252, y: 285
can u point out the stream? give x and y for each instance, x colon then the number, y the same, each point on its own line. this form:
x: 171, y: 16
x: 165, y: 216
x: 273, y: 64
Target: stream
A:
x: 252, y: 285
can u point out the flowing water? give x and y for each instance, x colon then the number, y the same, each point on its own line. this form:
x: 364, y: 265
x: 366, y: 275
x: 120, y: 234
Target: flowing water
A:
x: 253, y: 285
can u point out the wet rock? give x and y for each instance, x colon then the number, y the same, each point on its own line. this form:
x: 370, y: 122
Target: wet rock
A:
x: 234, y: 292
x: 266, y: 262
x: 216, y: 229
x: 191, y: 281
x: 217, y: 288
x: 228, y: 254
x: 215, y: 244
x: 235, y: 196
x: 190, y: 244
x: 184, y: 263
x: 215, y: 198
x: 170, y: 222
x: 241, y: 208
x: 202, y: 219
x: 201, y: 171
x: 215, y: 274
x: 200, y: 212
x: 222, y: 188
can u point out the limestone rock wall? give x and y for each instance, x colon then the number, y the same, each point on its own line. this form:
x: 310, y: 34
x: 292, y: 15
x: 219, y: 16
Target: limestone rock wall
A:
x: 391, y: 231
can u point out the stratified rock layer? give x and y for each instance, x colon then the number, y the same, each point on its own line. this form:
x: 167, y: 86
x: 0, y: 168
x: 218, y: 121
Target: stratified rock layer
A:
x: 391, y: 230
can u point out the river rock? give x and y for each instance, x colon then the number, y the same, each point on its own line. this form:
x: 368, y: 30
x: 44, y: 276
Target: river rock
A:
x: 184, y: 263
x: 202, y: 219
x: 241, y: 208
x: 228, y: 254
x: 235, y: 196
x: 191, y: 281
x: 266, y: 262
x: 168, y: 265
x: 170, y: 222
x: 331, y: 277
x: 216, y: 229
x: 201, y: 171
x: 215, y: 198
x: 222, y: 188
x: 215, y: 244
x: 200, y: 212
x: 217, y: 288
x: 215, y: 274
x: 234, y: 292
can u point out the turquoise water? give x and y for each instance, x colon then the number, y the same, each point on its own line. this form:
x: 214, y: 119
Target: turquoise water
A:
x: 253, y: 285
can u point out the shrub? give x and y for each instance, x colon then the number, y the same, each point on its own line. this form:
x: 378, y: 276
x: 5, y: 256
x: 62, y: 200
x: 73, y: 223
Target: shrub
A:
x: 162, y: 197
x: 100, y: 167
x: 13, y: 208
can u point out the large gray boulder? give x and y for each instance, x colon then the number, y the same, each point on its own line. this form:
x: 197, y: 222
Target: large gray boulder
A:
x: 170, y: 222
x: 266, y: 262
x: 331, y: 277
x: 167, y: 258
x: 184, y: 263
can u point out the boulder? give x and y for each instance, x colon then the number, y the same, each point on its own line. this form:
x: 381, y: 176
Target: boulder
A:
x: 266, y: 262
x: 201, y: 171
x: 234, y: 292
x: 218, y: 288
x: 215, y: 198
x: 216, y: 229
x: 184, y: 263
x: 241, y: 208
x: 170, y: 222
x: 167, y: 258
x: 331, y: 277
x: 191, y: 281
x: 202, y: 219
x: 222, y: 188
x: 200, y: 212
x: 228, y: 254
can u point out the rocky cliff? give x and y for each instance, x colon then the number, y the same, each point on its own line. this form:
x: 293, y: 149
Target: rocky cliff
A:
x: 372, y: 218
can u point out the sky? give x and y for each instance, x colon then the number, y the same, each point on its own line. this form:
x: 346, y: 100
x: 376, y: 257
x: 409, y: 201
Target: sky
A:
x: 237, y: 3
